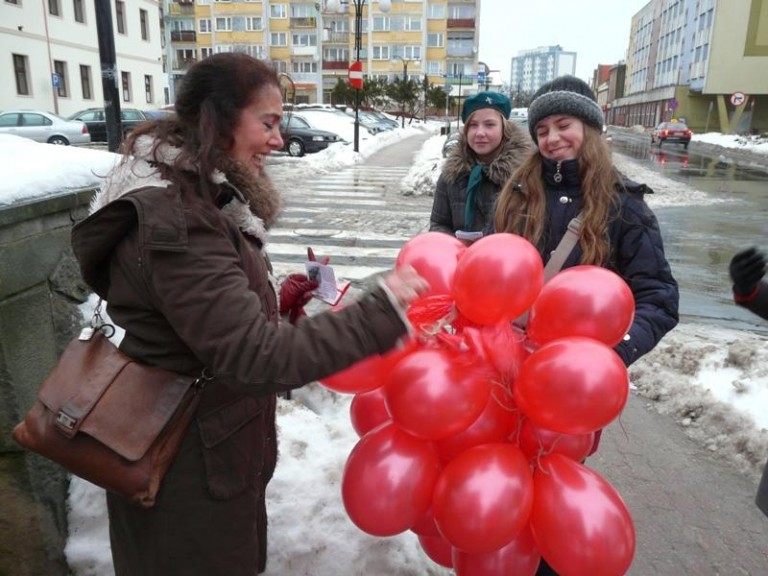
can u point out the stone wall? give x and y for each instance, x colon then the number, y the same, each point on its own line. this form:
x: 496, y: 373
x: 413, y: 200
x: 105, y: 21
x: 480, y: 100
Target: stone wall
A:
x: 40, y: 289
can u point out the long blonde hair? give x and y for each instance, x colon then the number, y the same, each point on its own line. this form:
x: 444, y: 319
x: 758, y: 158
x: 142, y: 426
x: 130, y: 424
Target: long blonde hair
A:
x: 521, y: 208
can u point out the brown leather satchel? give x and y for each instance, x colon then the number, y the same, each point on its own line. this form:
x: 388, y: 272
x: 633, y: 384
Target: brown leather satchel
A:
x: 110, y: 420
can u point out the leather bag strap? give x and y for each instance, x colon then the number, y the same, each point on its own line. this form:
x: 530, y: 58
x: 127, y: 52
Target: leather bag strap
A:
x: 557, y: 259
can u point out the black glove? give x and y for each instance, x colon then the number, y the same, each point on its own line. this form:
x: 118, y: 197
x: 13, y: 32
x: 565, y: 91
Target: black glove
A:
x: 747, y: 268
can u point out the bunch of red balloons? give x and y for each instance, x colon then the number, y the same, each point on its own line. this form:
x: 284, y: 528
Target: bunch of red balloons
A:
x: 473, y: 434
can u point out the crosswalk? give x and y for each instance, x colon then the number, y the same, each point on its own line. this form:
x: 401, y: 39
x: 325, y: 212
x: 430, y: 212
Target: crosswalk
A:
x: 355, y: 216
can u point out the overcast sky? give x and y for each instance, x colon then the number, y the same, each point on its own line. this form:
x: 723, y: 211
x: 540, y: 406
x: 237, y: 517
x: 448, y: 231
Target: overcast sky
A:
x: 597, y: 30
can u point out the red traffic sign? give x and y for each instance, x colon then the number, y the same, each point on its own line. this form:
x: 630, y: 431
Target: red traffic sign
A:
x: 356, y: 75
x: 737, y: 98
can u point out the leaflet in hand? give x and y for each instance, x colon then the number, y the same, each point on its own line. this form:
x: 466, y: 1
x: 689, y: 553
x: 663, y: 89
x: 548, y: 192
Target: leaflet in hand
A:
x: 328, y: 290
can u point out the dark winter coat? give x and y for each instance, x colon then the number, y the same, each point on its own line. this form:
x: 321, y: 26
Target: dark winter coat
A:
x: 637, y: 253
x: 451, y: 191
x: 189, y: 281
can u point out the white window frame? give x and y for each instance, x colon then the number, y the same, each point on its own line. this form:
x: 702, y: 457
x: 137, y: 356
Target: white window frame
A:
x: 278, y: 39
x: 435, y: 40
x: 204, y: 25
x: 254, y: 23
x: 381, y: 52
x: 223, y: 24
x: 278, y: 11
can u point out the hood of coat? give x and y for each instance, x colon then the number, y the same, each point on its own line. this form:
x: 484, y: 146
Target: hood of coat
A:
x: 515, y: 147
x: 254, y: 204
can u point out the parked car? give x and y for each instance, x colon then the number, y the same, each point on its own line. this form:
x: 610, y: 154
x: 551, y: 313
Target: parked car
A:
x: 675, y: 131
x: 300, y: 138
x: 96, y: 121
x: 43, y: 127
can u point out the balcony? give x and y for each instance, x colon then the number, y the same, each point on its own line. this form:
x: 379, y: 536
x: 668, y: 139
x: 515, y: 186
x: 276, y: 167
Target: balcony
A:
x: 183, y: 36
x: 183, y: 63
x: 305, y: 22
x: 335, y: 37
x: 460, y: 23
x: 335, y: 64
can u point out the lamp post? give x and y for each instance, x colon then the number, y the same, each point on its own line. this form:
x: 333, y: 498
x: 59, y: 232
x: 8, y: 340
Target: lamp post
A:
x: 404, y: 89
x: 335, y: 6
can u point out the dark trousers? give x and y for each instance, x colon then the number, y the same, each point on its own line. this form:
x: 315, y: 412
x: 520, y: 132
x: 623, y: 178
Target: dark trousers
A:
x: 545, y: 569
x: 762, y: 492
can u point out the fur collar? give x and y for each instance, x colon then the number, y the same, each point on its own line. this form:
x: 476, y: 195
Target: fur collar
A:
x: 254, y: 206
x: 515, y: 147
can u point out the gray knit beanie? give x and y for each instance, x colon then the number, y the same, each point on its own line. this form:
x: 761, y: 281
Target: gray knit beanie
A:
x: 565, y: 95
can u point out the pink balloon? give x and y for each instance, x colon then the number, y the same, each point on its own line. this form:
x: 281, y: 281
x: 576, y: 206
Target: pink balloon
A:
x: 483, y: 498
x: 434, y: 255
x: 572, y: 386
x: 518, y: 558
x: 388, y: 481
x: 431, y: 395
x: 584, y: 301
x: 438, y: 550
x: 580, y: 523
x: 368, y: 411
x: 497, y: 278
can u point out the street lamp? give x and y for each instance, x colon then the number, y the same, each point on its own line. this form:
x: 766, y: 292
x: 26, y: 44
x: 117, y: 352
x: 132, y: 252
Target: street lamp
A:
x: 405, y: 83
x: 335, y: 6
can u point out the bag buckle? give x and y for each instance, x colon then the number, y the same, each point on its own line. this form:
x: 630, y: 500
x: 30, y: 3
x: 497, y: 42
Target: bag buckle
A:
x: 65, y: 420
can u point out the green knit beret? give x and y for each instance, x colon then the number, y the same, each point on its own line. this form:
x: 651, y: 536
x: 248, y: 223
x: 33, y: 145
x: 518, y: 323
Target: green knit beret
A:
x: 495, y: 100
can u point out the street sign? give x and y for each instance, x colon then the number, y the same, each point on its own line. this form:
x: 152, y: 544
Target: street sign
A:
x: 738, y: 98
x: 481, y: 77
x: 672, y: 104
x: 356, y: 75
x: 55, y: 79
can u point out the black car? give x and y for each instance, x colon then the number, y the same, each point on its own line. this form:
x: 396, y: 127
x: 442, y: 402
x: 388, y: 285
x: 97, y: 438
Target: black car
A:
x: 95, y: 119
x: 300, y: 138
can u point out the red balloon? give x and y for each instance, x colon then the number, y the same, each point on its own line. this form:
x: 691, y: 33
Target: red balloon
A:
x: 536, y: 441
x: 573, y: 386
x: 425, y: 526
x: 432, y: 395
x: 483, y: 498
x: 367, y: 374
x: 518, y: 558
x: 584, y: 301
x: 580, y: 523
x: 497, y: 278
x: 493, y: 425
x: 434, y: 255
x: 388, y: 481
x: 368, y: 411
x: 437, y: 549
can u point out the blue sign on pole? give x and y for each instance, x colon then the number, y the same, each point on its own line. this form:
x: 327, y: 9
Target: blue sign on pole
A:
x: 481, y: 77
x: 55, y: 79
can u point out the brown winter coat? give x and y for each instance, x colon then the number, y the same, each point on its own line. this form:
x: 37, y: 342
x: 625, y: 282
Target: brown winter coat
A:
x: 190, y: 283
x: 451, y: 190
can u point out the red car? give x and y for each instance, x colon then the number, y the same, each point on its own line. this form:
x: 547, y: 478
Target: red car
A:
x: 676, y: 132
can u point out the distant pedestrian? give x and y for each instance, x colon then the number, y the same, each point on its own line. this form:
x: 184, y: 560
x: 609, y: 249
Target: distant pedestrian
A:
x: 489, y: 150
x: 747, y: 270
x: 571, y: 175
x: 177, y: 246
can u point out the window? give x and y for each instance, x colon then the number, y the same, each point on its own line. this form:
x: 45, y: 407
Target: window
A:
x: 221, y: 48
x: 125, y: 82
x: 381, y: 53
x: 277, y: 11
x: 304, y: 67
x: 412, y: 23
x: 278, y: 39
x: 148, y: 89
x: 79, y: 11
x: 304, y: 39
x: 205, y: 52
x: 436, y: 11
x: 205, y: 25
x: 21, y: 72
x: 53, y: 8
x: 85, y: 82
x: 303, y: 11
x: 32, y: 119
x: 61, y: 69
x: 435, y: 40
x: 16, y: 2
x: 254, y: 23
x: 224, y: 24
x: 144, y: 23
x: 381, y: 24
x: 120, y: 16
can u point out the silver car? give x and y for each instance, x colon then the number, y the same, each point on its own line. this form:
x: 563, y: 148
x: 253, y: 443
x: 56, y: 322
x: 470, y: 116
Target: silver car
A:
x: 43, y: 127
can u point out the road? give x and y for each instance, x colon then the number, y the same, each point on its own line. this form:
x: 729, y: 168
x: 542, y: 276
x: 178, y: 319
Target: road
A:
x: 693, y: 514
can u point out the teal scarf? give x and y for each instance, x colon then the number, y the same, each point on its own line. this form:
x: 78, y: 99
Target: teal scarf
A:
x: 475, y: 181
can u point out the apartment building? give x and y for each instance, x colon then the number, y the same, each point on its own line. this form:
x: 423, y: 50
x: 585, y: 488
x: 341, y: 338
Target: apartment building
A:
x: 702, y: 60
x: 532, y: 68
x: 51, y: 55
x: 313, y: 43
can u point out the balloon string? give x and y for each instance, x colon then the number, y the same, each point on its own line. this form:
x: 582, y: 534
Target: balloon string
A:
x: 437, y: 326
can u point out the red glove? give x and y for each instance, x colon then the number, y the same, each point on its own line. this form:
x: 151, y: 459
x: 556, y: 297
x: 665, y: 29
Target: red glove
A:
x: 295, y: 292
x: 311, y: 257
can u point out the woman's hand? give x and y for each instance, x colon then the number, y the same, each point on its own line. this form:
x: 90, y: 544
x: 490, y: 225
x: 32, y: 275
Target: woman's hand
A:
x: 406, y: 285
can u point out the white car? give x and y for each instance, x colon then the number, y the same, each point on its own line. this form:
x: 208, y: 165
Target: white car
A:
x: 44, y: 127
